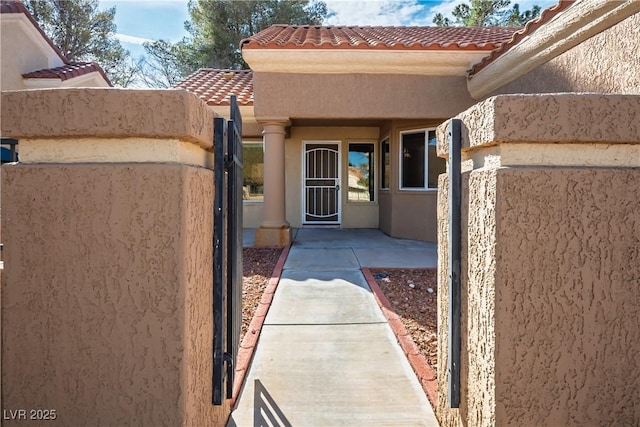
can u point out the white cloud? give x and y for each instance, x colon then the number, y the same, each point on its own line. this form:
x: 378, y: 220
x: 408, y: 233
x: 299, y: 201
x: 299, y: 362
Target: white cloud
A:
x: 400, y: 12
x: 445, y: 8
x: 368, y: 12
x: 124, y: 38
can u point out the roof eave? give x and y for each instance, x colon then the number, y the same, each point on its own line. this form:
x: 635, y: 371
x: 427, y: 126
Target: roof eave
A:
x: 37, y: 36
x: 363, y: 61
x: 563, y: 32
x: 58, y: 81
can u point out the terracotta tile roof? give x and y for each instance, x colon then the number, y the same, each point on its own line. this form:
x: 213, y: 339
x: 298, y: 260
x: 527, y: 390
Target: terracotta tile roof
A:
x: 387, y: 38
x: 12, y: 7
x: 67, y: 71
x: 517, y: 37
x: 215, y: 87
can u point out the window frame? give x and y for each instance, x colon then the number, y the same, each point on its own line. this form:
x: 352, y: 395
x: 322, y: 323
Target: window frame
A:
x: 259, y: 143
x: 385, y: 141
x: 426, y: 187
x: 372, y: 173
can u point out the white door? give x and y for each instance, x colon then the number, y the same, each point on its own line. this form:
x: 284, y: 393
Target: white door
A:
x: 321, y: 198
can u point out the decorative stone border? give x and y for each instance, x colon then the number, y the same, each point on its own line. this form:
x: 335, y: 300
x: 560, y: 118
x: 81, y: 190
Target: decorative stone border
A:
x: 423, y: 371
x: 250, y: 339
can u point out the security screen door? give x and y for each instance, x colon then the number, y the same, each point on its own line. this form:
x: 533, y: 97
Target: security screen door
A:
x: 321, y: 183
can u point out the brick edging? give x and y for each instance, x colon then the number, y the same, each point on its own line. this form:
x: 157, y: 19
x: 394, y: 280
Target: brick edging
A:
x: 423, y: 371
x: 250, y: 339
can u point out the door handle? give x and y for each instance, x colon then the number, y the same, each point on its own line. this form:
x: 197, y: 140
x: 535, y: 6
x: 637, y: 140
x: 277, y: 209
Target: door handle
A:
x: 337, y: 185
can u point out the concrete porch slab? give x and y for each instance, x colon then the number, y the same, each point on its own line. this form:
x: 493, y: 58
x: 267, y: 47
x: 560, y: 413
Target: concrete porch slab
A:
x: 301, y: 258
x: 397, y: 258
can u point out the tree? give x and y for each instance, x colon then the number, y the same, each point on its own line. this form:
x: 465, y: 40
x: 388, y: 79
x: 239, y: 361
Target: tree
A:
x: 215, y: 30
x: 166, y: 64
x: 487, y: 13
x: 84, y: 33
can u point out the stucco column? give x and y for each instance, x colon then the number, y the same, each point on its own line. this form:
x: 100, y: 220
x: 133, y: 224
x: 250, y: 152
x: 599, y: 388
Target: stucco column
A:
x: 108, y: 280
x: 550, y: 262
x: 274, y: 230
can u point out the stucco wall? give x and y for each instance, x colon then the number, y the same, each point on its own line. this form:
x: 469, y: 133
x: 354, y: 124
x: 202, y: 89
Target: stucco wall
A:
x: 107, y: 113
x: 106, y: 306
x: 414, y: 216
x: 477, y: 384
x: 405, y: 213
x: 19, y: 52
x: 384, y: 214
x: 24, y: 49
x: 607, y: 63
x: 106, y: 297
x: 357, y: 96
x: 578, y: 317
x: 354, y: 214
x: 549, y: 298
x: 550, y: 263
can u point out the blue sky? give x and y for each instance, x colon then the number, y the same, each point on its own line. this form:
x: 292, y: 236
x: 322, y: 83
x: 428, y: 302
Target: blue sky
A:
x: 142, y: 20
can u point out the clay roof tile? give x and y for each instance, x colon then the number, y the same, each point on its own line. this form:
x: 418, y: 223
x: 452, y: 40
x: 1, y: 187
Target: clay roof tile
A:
x: 67, y: 71
x: 387, y: 38
x: 216, y: 86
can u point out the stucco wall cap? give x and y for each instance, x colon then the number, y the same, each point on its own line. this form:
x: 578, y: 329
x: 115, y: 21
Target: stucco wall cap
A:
x: 557, y: 118
x: 106, y: 113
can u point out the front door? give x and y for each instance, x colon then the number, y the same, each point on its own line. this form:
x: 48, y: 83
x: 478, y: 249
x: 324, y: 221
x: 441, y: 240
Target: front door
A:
x: 321, y: 198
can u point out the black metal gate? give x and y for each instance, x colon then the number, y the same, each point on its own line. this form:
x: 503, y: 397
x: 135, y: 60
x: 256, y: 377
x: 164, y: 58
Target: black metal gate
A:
x: 227, y: 251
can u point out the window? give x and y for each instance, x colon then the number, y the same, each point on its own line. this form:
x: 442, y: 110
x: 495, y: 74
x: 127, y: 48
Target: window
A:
x: 419, y: 164
x: 385, y: 164
x: 253, y: 179
x: 361, y: 165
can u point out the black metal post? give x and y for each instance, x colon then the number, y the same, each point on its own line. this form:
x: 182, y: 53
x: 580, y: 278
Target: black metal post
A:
x: 234, y: 240
x: 455, y: 254
x: 219, y: 284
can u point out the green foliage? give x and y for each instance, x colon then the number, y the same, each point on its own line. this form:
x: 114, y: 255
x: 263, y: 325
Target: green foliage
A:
x: 215, y: 30
x: 487, y: 13
x: 166, y: 63
x: 84, y: 33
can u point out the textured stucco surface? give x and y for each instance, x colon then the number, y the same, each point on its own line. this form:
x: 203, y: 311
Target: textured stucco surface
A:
x: 550, y: 297
x: 106, y: 297
x: 550, y: 118
x: 567, y: 296
x: 478, y: 266
x: 106, y: 113
x: 607, y: 62
x: 359, y: 96
x: 114, y: 150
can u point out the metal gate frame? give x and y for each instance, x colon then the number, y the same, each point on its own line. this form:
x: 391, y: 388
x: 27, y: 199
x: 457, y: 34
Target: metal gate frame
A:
x: 227, y: 251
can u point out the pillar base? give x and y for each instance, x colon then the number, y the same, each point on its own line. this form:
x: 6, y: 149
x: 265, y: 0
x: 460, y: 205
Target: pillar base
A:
x: 273, y: 237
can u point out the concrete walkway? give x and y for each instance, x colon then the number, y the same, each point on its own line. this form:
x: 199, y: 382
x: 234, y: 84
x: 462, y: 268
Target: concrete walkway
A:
x: 326, y: 355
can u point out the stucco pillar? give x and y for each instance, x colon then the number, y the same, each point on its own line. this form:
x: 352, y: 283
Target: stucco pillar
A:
x: 550, y: 262
x: 107, y: 225
x: 274, y: 230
